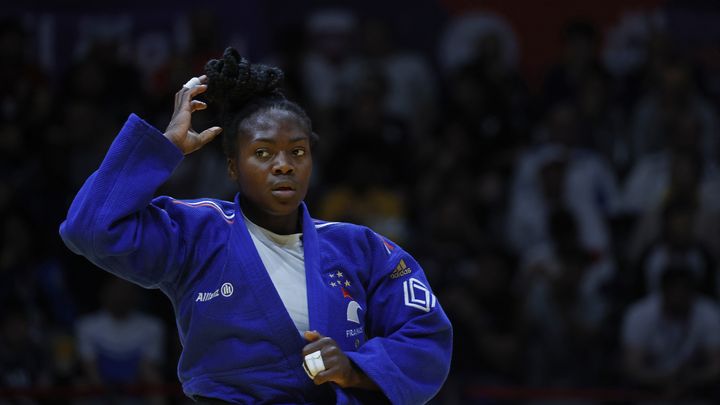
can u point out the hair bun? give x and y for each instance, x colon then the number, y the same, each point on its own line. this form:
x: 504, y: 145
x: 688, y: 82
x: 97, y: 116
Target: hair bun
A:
x: 233, y: 81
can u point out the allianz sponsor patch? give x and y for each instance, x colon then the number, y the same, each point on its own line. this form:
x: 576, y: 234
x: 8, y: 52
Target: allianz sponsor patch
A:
x: 207, y: 296
x: 226, y: 290
x: 400, y: 270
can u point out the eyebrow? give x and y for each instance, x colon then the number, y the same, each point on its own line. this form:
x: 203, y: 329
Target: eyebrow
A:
x: 273, y: 141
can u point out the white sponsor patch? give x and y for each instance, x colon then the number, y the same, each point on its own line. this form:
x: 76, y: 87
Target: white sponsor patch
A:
x: 226, y: 290
x: 207, y: 296
x: 417, y: 295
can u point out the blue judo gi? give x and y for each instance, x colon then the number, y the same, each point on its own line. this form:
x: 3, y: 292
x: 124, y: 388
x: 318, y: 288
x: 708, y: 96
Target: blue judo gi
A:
x: 239, y: 343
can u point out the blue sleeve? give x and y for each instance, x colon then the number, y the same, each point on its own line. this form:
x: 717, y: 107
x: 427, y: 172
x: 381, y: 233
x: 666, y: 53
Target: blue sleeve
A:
x: 410, y: 337
x: 114, y: 221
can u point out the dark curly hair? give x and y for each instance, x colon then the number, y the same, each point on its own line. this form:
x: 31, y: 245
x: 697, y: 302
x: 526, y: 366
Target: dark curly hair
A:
x: 239, y: 90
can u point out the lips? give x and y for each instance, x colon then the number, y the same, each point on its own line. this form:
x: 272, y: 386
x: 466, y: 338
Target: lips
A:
x: 283, y: 190
x: 283, y: 187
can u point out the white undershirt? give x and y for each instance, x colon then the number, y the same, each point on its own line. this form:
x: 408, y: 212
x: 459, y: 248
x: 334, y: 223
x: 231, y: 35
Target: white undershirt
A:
x: 284, y: 261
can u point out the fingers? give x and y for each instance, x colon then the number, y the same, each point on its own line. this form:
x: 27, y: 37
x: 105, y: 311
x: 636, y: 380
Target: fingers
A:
x: 195, y: 81
x: 317, y: 342
x: 334, y: 369
x: 196, y: 105
x: 337, y: 365
x: 208, y: 135
x: 184, y: 97
x: 324, y: 376
x: 312, y: 335
x: 194, y: 91
x: 194, y: 86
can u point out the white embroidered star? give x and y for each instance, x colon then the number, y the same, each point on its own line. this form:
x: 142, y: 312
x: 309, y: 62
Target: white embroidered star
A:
x: 347, y: 283
x: 333, y: 284
x: 339, y: 273
x: 332, y: 275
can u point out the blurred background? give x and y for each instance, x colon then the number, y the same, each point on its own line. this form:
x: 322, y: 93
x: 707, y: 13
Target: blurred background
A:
x: 553, y: 166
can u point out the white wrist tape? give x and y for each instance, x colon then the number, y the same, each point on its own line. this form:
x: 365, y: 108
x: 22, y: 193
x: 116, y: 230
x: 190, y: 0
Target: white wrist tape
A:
x: 313, y: 364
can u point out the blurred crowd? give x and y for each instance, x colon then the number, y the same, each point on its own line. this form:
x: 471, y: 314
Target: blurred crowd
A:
x: 570, y: 229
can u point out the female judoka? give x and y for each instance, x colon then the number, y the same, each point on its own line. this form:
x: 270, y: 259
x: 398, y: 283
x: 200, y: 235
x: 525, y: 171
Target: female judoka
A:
x: 271, y: 305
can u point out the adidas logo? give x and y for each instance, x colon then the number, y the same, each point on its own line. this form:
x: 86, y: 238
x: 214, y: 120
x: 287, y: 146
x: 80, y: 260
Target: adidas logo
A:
x: 401, y: 270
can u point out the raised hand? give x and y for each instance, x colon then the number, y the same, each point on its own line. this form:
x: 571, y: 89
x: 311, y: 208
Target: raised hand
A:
x: 179, y: 131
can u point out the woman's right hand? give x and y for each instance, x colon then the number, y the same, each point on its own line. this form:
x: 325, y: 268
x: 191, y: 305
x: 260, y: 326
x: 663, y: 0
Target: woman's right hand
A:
x: 179, y: 130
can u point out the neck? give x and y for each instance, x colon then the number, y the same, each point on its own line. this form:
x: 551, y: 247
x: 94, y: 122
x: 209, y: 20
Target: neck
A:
x: 279, y: 224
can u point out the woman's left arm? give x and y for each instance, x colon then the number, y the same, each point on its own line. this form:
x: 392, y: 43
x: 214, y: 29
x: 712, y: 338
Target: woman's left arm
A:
x: 407, y: 354
x: 410, y: 338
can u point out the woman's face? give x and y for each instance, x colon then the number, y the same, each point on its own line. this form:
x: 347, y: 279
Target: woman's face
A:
x: 273, y: 164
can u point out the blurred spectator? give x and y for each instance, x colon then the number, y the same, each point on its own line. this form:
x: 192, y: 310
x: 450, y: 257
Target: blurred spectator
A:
x: 82, y: 130
x: 32, y: 272
x: 601, y: 122
x: 633, y: 43
x: 676, y: 173
x: 485, y: 93
x: 449, y: 216
x: 105, y: 77
x: 26, y: 104
x: 97, y: 91
x: 565, y: 306
x: 557, y: 175
x: 579, y: 63
x: 198, y: 40
x: 367, y: 127
x: 330, y: 64
x: 677, y: 246
x: 119, y: 344
x: 673, y: 96
x: 24, y: 95
x: 364, y: 198
x: 677, y: 170
x: 459, y: 42
x: 204, y: 41
x: 24, y: 362
x: 18, y: 263
x: 485, y: 313
x: 410, y: 85
x: 451, y: 234
x: 671, y: 339
x: 491, y: 102
x: 635, y: 53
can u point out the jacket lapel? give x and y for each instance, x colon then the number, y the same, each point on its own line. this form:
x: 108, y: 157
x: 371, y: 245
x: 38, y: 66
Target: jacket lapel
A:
x: 245, y: 259
x: 318, y: 307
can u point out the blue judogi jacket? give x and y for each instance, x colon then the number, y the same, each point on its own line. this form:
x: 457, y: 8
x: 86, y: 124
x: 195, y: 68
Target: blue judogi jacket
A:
x: 239, y: 342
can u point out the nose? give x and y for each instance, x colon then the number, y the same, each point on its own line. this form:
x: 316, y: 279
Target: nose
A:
x: 282, y: 165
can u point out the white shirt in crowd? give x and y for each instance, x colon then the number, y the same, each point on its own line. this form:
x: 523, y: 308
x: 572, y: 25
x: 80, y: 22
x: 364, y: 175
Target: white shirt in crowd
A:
x: 670, y: 344
x: 102, y: 334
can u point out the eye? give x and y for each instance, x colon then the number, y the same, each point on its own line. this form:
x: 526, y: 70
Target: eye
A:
x: 299, y: 152
x: 262, y: 153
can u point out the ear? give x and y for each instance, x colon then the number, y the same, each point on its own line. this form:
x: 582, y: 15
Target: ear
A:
x: 231, y: 167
